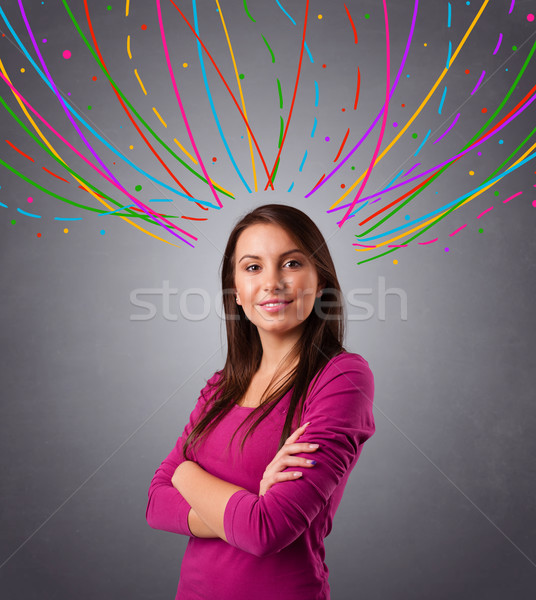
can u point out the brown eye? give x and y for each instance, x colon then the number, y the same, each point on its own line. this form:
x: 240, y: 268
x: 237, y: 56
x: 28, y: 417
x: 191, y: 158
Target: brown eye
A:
x: 296, y: 263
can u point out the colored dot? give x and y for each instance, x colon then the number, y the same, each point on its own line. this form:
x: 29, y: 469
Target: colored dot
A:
x: 108, y: 7
x: 185, y: 65
x: 241, y: 76
x: 471, y: 173
x: 102, y: 232
x: 343, y: 109
x: 44, y: 40
x: 484, y: 110
x: 327, y: 139
x: 467, y: 3
x: 530, y: 17
x: 23, y: 70
x: 425, y: 44
x: 352, y: 168
x: 94, y: 78
x: 467, y: 71
x: 66, y: 54
x: 407, y: 217
x: 68, y: 93
x: 131, y: 147
x: 343, y: 185
x: 414, y: 136
x: 395, y: 261
x: 403, y: 105
x: 479, y: 153
x: 38, y: 235
x: 534, y: 203
x: 144, y: 27
x: 30, y: 199
x: 66, y: 230
x: 481, y: 230
x: 514, y: 48
x: 214, y: 159
x: 367, y: 16
x: 506, y: 69
x: 501, y: 141
x: 138, y: 188
x: 395, y: 124
x: 13, y: 222
x: 495, y: 193
x: 319, y: 16
x: 89, y: 107
x: 446, y: 249
x: 323, y: 66
x: 407, y: 75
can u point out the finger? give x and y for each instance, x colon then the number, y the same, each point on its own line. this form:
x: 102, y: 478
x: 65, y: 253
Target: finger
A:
x: 294, y: 461
x: 296, y: 448
x: 287, y: 476
x: 296, y: 434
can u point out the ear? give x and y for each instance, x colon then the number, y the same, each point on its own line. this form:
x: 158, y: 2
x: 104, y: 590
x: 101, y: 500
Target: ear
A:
x: 320, y: 288
x: 237, y: 299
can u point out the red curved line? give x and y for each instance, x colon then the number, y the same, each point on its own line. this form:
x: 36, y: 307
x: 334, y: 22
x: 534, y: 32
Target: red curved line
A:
x: 340, y: 149
x: 293, y: 95
x: 54, y: 175
x: 230, y: 92
x: 351, y: 23
x: 19, y: 151
x: 358, y: 88
x: 170, y: 172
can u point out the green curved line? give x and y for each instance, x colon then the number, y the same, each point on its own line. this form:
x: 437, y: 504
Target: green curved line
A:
x: 280, y: 94
x: 128, y: 103
x: 247, y: 11
x: 268, y: 46
x: 58, y: 197
x: 71, y: 171
x: 280, y: 131
x: 445, y: 167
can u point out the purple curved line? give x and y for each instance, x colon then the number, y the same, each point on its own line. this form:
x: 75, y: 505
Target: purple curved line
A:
x: 397, y: 78
x: 511, y: 7
x: 478, y: 82
x: 498, y: 44
x: 81, y: 135
x: 86, y: 160
x: 448, y: 128
x: 475, y: 145
x: 384, y: 121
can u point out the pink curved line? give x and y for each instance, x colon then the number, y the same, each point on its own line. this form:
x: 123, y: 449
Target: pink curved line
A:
x: 371, y: 127
x: 181, y: 107
x: 508, y: 199
x: 384, y: 121
x: 115, y: 182
x: 429, y: 242
x: 109, y: 179
x: 483, y: 213
x: 459, y: 229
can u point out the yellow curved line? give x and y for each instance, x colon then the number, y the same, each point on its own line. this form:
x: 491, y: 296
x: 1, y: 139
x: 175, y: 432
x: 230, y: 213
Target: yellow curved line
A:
x: 158, y: 115
x: 127, y: 8
x: 475, y: 195
x: 128, y: 47
x: 423, y: 104
x: 51, y: 148
x: 140, y: 81
x: 241, y: 96
x: 186, y: 152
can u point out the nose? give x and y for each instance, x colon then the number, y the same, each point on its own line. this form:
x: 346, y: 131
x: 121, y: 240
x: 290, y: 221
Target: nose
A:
x: 272, y: 279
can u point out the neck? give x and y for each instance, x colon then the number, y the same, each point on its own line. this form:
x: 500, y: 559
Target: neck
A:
x: 276, y: 351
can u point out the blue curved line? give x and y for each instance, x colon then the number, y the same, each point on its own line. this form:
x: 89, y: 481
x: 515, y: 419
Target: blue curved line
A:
x: 212, y: 107
x: 445, y: 206
x: 450, y: 52
x: 423, y: 142
x: 442, y: 100
x: 290, y: 188
x: 316, y: 93
x: 28, y: 214
x: 291, y: 19
x: 314, y: 128
x: 68, y: 218
x: 303, y: 161
x: 308, y: 52
x: 91, y: 130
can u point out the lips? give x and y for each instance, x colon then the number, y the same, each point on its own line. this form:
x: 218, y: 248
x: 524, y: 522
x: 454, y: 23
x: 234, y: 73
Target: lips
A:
x: 275, y: 301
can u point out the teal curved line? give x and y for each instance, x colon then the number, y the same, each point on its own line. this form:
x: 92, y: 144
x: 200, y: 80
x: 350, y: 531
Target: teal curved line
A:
x: 91, y: 130
x: 29, y: 214
x: 211, y: 101
x: 291, y: 19
x: 308, y: 52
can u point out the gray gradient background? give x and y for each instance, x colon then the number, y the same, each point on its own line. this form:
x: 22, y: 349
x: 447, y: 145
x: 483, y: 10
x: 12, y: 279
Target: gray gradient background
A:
x: 441, y: 503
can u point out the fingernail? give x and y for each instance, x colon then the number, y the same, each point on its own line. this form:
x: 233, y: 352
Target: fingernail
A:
x: 313, y: 445
x: 297, y: 474
x: 308, y: 423
x: 312, y: 462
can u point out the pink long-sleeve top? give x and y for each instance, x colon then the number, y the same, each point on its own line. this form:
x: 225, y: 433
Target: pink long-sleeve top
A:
x: 275, y: 545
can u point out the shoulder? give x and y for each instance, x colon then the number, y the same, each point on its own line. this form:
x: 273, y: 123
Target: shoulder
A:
x: 346, y: 365
x: 212, y: 383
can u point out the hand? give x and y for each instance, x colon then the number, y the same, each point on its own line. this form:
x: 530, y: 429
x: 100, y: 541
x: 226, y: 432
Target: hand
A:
x: 284, y: 459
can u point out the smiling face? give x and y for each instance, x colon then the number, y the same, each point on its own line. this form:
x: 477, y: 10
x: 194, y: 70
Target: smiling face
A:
x: 269, y: 266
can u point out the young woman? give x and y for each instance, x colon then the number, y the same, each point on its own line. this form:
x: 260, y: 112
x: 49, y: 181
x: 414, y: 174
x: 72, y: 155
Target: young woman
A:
x: 257, y: 511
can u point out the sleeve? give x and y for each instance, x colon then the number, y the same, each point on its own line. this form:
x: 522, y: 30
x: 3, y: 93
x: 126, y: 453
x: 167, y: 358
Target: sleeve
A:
x: 339, y: 409
x: 167, y: 509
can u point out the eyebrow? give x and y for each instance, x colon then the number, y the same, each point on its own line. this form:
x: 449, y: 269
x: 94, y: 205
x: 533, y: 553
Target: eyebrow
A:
x: 294, y: 250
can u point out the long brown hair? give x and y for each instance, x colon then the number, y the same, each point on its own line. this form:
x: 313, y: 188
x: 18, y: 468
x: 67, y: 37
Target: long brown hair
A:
x: 321, y: 339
